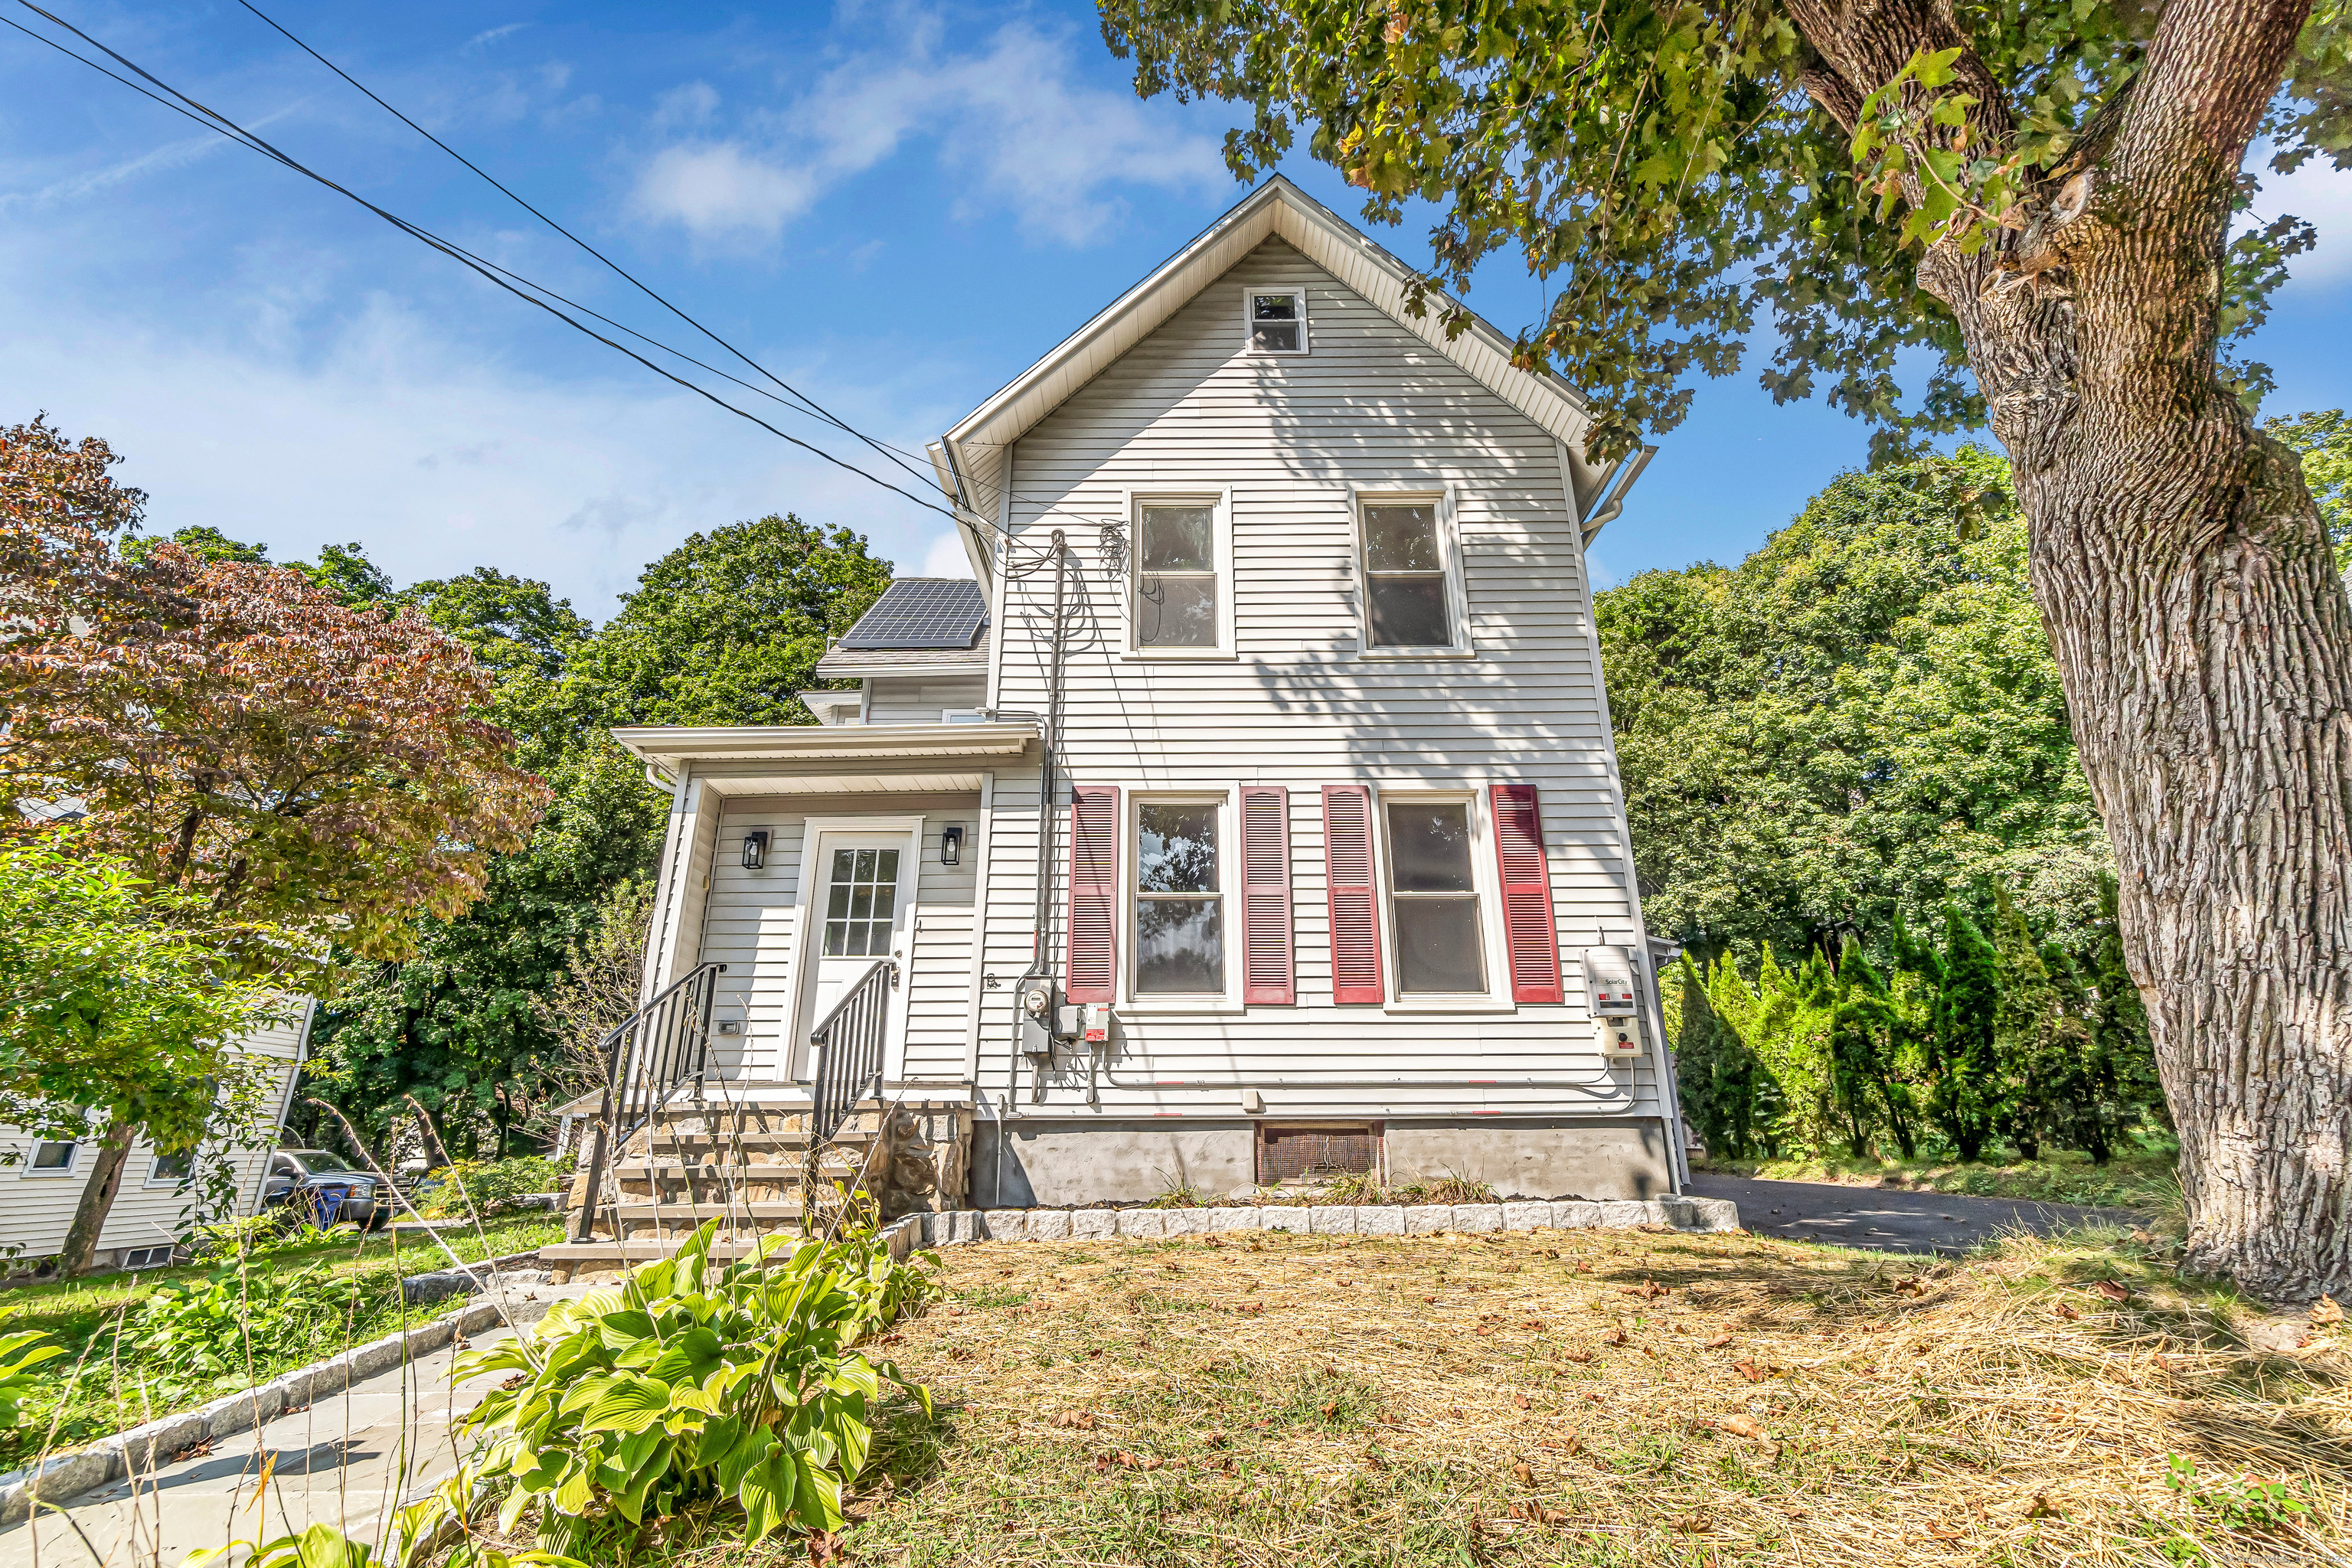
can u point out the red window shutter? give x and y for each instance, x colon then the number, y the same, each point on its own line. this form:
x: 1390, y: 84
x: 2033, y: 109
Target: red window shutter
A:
x: 1094, y: 881
x: 1528, y: 926
x: 1355, y: 903
x: 1267, y: 973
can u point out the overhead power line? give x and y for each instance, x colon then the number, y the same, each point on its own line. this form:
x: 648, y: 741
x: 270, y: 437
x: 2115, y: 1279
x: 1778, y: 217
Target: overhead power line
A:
x: 214, y: 120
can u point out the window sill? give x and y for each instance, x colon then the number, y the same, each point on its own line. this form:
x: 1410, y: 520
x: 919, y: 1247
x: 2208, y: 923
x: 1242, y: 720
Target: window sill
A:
x: 1179, y: 1007
x: 1412, y: 653
x: 1487, y: 1006
x: 1173, y: 655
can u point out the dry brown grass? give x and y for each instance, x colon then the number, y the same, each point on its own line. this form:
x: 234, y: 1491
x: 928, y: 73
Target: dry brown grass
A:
x: 1530, y: 1399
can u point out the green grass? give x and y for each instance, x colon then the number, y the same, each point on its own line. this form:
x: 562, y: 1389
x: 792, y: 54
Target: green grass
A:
x: 2144, y: 1180
x: 112, y: 1392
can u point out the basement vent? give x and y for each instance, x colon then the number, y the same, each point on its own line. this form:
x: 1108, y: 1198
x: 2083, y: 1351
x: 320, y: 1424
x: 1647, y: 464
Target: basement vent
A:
x: 147, y: 1258
x: 1317, y: 1153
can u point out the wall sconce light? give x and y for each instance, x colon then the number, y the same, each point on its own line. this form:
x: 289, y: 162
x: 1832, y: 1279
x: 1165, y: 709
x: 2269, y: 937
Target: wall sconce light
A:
x: 952, y: 844
x: 755, y: 848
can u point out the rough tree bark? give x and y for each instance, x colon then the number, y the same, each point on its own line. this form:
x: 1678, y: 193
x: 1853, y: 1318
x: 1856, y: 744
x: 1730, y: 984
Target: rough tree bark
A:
x: 2200, y: 629
x: 96, y: 1199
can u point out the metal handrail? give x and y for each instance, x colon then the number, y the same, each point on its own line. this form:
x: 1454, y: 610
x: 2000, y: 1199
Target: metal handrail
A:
x: 655, y: 1051
x: 850, y: 1044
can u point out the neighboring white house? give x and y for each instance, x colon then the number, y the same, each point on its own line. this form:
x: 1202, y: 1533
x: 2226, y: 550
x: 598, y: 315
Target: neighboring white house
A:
x: 41, y: 1182
x: 1335, y: 811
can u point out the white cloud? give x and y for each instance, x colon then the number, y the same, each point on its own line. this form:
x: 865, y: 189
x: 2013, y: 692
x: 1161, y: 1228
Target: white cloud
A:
x: 1012, y: 119
x: 946, y: 558
x: 480, y: 40
x: 691, y: 104
x: 719, y: 191
x: 2321, y: 195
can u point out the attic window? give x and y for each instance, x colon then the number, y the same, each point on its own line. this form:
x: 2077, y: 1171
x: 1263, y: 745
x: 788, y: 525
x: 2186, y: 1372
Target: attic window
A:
x: 1276, y: 320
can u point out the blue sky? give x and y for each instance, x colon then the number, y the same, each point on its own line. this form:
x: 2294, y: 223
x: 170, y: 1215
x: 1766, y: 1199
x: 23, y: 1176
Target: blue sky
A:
x: 895, y: 206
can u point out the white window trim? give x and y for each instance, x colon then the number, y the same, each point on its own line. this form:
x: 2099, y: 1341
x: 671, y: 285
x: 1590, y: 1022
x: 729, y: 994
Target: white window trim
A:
x: 1449, y: 544
x: 1484, y: 882
x: 73, y: 1159
x: 798, y: 1016
x: 1161, y: 1003
x: 154, y: 1159
x: 1249, y: 320
x: 1133, y: 502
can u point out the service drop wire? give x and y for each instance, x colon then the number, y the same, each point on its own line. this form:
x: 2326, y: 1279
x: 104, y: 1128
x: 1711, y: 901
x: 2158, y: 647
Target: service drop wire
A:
x: 215, y: 120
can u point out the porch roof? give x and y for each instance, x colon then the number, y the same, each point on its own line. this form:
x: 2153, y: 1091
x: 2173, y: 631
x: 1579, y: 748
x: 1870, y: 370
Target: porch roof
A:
x: 672, y: 747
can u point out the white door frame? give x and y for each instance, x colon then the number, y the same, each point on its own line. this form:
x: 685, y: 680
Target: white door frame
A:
x: 808, y: 920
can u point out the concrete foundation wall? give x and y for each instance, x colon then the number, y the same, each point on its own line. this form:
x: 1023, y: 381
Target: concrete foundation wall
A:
x: 1052, y: 1163
x: 1554, y: 1159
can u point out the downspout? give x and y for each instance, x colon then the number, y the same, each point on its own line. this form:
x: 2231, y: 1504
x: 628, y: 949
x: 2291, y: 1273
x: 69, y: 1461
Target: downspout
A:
x: 1628, y: 468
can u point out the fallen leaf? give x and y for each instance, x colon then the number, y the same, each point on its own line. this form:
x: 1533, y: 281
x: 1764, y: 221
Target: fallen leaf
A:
x: 1331, y: 1410
x: 1526, y: 1472
x: 1429, y: 1301
x: 2112, y: 1291
x: 1534, y: 1325
x: 1084, y: 1420
x: 1944, y: 1531
x: 1522, y: 1402
x: 1613, y: 1337
x: 1574, y: 1446
x: 1717, y: 1342
x: 1583, y: 1267
x: 1748, y: 1370
x: 1692, y: 1524
x: 1742, y: 1426
x: 1798, y: 1512
x: 2325, y: 1311
x: 2041, y: 1508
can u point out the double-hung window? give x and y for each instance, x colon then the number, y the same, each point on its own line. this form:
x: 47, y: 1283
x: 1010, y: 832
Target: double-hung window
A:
x: 1275, y: 320
x: 51, y: 1158
x: 1433, y: 899
x: 1180, y: 899
x: 1413, y: 597
x: 1180, y: 594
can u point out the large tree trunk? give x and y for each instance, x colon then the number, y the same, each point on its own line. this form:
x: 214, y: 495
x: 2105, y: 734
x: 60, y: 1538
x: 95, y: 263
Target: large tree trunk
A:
x: 2199, y: 624
x: 97, y: 1198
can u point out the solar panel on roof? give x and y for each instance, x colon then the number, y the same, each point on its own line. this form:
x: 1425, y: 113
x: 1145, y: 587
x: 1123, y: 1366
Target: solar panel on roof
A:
x: 921, y: 612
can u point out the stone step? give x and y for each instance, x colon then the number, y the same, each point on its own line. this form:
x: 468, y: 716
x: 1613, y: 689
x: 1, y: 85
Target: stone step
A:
x: 692, y: 1215
x: 676, y: 1171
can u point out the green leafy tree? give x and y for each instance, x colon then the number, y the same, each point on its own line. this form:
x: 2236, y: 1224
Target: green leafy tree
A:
x: 123, y: 1000
x: 1715, y: 1070
x: 1859, y: 722
x: 2325, y: 443
x: 1966, y: 1097
x: 728, y: 628
x: 722, y: 630
x: 2038, y: 201
x: 1865, y: 1033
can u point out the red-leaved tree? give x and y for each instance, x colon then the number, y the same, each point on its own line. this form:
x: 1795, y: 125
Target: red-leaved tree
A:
x: 237, y: 733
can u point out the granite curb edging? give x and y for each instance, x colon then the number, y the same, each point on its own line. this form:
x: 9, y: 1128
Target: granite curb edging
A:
x: 64, y: 1476
x: 960, y: 1226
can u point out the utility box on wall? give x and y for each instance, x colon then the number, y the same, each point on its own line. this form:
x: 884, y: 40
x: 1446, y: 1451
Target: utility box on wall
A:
x: 1612, y: 990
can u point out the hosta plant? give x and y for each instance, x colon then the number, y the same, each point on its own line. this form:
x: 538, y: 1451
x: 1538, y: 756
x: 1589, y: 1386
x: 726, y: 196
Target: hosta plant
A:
x: 689, y: 1386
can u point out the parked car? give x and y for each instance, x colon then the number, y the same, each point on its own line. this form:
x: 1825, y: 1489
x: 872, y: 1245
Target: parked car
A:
x: 325, y: 1189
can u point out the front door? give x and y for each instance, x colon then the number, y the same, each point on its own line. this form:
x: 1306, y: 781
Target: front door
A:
x: 857, y: 916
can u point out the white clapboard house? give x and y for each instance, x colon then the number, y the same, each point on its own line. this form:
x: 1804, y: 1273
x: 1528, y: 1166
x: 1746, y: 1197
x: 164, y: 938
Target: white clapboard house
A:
x: 1280, y: 605
x: 41, y: 1181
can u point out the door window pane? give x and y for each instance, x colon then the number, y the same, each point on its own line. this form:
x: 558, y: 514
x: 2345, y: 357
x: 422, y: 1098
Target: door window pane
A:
x: 1434, y: 895
x: 1176, y: 577
x: 1405, y: 578
x: 1179, y: 942
x: 860, y: 902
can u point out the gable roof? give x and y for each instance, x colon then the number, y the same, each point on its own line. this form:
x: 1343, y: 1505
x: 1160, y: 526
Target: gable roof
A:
x: 968, y: 461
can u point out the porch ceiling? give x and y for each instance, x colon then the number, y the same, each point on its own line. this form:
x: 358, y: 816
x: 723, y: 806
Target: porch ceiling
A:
x: 734, y: 785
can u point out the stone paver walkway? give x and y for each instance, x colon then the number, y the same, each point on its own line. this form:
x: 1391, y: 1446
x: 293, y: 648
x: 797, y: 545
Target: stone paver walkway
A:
x: 347, y: 1460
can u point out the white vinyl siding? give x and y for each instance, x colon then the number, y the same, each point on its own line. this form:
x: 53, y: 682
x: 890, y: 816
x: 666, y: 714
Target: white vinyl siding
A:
x: 922, y: 699
x: 750, y: 923
x: 36, y: 1210
x: 1375, y: 410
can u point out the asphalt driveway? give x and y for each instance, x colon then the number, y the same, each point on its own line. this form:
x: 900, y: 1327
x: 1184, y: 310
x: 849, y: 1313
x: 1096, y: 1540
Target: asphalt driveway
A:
x: 1890, y: 1220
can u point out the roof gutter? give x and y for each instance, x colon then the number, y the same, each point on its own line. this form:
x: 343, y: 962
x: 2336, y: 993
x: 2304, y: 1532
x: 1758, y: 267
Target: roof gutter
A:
x: 1629, y: 468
